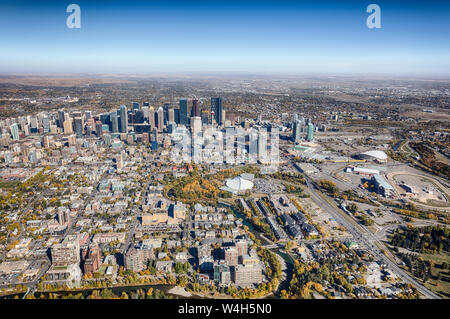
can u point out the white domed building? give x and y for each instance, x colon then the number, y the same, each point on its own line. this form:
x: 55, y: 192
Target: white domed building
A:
x: 374, y: 155
x: 237, y: 185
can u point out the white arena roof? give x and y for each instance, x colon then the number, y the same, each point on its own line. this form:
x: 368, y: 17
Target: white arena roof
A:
x: 380, y: 155
x: 239, y: 184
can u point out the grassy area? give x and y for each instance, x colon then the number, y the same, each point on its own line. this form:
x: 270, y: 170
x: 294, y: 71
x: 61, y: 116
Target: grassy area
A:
x: 441, y: 286
x: 8, y: 184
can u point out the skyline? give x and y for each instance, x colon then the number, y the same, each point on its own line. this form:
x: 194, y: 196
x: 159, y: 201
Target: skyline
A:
x: 225, y: 37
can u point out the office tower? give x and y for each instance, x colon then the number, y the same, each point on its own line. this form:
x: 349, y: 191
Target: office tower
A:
x: 262, y: 145
x: 151, y: 117
x: 68, y: 129
x: 79, y: 126
x: 242, y: 247
x: 310, y: 134
x: 145, y: 138
x: 296, y: 131
x: 196, y: 124
x: 91, y: 259
x: 67, y: 252
x: 61, y: 118
x: 146, y: 112
x: 26, y: 129
x: 63, y: 217
x: 90, y: 125
x: 87, y: 115
x: 231, y: 256
x: 205, y: 116
x: 33, y: 125
x: 72, y: 140
x: 216, y: 108
x: 183, y: 112
x: 138, y: 117
x: 114, y: 122
x: 133, y: 260
x: 196, y: 111
x: 45, y: 124
x: 247, y: 275
x: 171, y: 116
x: 98, y: 128
x: 222, y: 273
x: 177, y: 115
x: 166, y: 113
x: 15, y: 131
x: 123, y: 119
x: 223, y: 116
x: 160, y: 123
x: 46, y: 141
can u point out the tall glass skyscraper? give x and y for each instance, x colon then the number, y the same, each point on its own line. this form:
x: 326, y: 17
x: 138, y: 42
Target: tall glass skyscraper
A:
x: 196, y: 108
x: 123, y: 119
x: 114, y: 122
x: 184, y: 112
x: 310, y: 135
x: 216, y: 107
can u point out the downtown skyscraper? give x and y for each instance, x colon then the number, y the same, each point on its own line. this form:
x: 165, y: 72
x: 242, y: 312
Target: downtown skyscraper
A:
x: 196, y: 111
x: 216, y: 109
x: 123, y: 119
x: 183, y: 111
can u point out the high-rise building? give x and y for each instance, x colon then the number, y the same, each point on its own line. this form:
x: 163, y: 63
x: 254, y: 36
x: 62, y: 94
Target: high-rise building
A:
x: 46, y: 124
x: 151, y: 117
x: 171, y: 116
x: 123, y: 119
x: 296, y: 131
x: 134, y: 260
x: 61, y: 118
x: 196, y: 124
x: 166, y: 113
x: 310, y: 134
x: 15, y: 131
x: 91, y: 259
x: 67, y: 252
x: 160, y: 124
x: 183, y: 111
x: 216, y: 108
x: 78, y: 124
x: 114, y: 122
x: 46, y: 141
x: 222, y: 273
x: 242, y: 247
x: 68, y: 129
x: 231, y: 256
x: 196, y: 111
x: 262, y: 145
x: 146, y: 112
x: 177, y: 115
x: 247, y: 275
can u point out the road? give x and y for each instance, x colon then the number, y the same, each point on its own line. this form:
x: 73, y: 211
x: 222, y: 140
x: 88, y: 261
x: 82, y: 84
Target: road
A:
x: 362, y: 235
x: 365, y: 238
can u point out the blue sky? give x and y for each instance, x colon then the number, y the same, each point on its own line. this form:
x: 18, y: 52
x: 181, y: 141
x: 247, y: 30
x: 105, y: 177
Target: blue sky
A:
x: 226, y: 36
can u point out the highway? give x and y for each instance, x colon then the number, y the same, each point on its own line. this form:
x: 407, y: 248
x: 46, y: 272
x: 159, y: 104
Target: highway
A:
x: 363, y: 236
